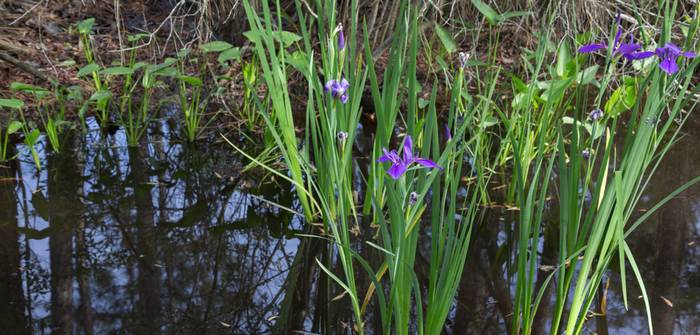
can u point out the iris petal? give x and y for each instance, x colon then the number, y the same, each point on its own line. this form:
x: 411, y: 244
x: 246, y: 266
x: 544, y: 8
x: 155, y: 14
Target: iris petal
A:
x: 397, y: 170
x: 627, y: 48
x: 329, y: 85
x: 669, y: 65
x: 383, y: 158
x: 639, y: 55
x: 408, y: 149
x: 591, y: 47
x: 428, y: 163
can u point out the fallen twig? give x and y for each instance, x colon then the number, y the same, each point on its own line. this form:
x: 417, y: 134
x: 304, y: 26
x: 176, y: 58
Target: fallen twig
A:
x: 25, y: 67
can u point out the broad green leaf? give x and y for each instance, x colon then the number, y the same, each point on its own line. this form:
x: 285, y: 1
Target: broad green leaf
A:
x: 489, y: 121
x: 297, y: 60
x: 422, y: 103
x: 12, y: 103
x: 445, y: 38
x: 22, y: 87
x: 509, y: 15
x: 563, y: 57
x: 168, y: 72
x: 488, y: 12
x: 32, y: 136
x: 518, y: 84
x: 556, y: 90
x: 230, y: 54
x: 138, y: 65
x: 13, y: 127
x: 137, y: 37
x: 622, y: 99
x: 100, y: 95
x: 587, y: 76
x: 85, y: 26
x: 194, y: 81
x: 287, y: 38
x: 595, y: 130
x: 215, y: 46
x: 88, y: 69
x: 567, y: 120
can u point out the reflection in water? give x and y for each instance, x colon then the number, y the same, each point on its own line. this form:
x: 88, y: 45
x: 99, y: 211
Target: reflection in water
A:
x: 12, y: 301
x: 162, y: 238
x: 169, y: 238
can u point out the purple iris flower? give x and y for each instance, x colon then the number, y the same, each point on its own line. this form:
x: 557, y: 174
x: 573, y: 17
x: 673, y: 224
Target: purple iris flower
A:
x: 412, y: 198
x: 338, y: 89
x: 341, y: 39
x: 399, y: 165
x: 627, y: 50
x: 595, y: 114
x: 668, y: 55
x: 586, y: 154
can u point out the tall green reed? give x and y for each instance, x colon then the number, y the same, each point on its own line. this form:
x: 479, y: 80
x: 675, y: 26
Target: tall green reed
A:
x: 321, y: 169
x: 601, y: 172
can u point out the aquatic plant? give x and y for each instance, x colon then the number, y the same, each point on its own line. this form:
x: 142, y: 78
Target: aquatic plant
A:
x: 101, y: 95
x: 668, y: 55
x: 401, y: 163
x: 592, y: 229
x: 396, y: 205
x: 249, y: 110
x: 10, y: 128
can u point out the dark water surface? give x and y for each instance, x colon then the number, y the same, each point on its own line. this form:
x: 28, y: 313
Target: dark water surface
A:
x: 173, y: 239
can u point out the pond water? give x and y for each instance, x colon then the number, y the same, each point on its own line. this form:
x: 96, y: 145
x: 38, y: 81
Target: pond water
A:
x: 175, y: 239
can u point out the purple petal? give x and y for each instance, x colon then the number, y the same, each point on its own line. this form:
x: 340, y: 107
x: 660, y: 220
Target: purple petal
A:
x: 591, y: 47
x: 344, y: 84
x: 329, y: 85
x: 337, y: 90
x: 428, y: 163
x: 448, y: 133
x: 689, y: 54
x: 341, y: 40
x: 344, y: 98
x: 669, y: 65
x: 627, y: 48
x: 384, y: 158
x: 673, y: 49
x: 408, y: 149
x: 397, y: 170
x: 660, y: 52
x: 639, y: 55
